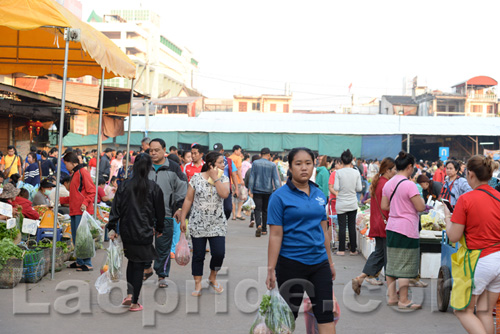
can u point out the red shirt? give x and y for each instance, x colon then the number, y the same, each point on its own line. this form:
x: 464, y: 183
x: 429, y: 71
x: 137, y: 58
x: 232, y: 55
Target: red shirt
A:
x: 332, y: 198
x: 27, y: 206
x: 480, y: 213
x: 85, y: 196
x: 439, y: 175
x: 377, y: 225
x: 190, y: 169
x: 100, y: 194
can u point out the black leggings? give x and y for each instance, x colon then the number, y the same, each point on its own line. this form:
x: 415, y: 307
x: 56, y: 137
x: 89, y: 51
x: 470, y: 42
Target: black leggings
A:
x: 294, y: 278
x: 349, y: 219
x: 135, y: 273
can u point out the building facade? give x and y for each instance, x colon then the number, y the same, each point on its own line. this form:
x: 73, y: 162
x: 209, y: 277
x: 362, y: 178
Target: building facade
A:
x: 263, y: 103
x: 164, y: 68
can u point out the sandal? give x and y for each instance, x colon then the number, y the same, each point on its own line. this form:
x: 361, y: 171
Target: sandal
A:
x: 410, y: 306
x: 127, y: 301
x: 196, y: 293
x: 392, y: 304
x: 136, y: 309
x: 356, y: 286
x: 147, y: 275
x: 340, y: 253
x: 162, y: 283
x: 418, y: 284
x: 217, y: 288
x: 84, y: 268
x: 74, y: 265
x: 240, y: 218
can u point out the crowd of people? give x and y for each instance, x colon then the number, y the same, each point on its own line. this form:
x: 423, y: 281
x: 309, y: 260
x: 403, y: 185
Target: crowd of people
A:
x: 298, y: 199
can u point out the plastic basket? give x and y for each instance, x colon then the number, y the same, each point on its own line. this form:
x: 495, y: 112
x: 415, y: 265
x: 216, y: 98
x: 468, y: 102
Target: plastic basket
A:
x: 33, y: 266
x: 11, y: 273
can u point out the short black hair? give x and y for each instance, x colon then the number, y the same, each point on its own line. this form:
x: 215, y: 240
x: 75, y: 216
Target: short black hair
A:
x: 175, y: 158
x: 33, y: 149
x: 108, y: 149
x: 198, y: 147
x: 65, y: 179
x: 296, y: 150
x: 11, y: 147
x: 172, y: 148
x: 101, y: 180
x: 159, y: 141
x: 71, y: 157
x: 264, y: 151
x: 236, y: 147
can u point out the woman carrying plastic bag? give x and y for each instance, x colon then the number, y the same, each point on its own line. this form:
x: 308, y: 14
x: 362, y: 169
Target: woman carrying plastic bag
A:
x: 81, y: 201
x: 138, y: 206
x: 275, y: 316
x: 299, y: 257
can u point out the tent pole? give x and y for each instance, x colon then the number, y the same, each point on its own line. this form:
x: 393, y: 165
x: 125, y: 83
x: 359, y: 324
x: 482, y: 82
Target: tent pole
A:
x: 129, y: 127
x: 60, y: 144
x: 99, y: 143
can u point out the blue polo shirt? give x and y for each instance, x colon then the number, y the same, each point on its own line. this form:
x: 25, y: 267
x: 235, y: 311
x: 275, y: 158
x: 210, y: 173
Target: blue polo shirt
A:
x: 301, y: 216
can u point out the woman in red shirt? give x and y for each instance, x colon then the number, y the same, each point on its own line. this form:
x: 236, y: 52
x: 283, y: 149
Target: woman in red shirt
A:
x: 81, y: 199
x: 477, y: 216
x: 378, y: 217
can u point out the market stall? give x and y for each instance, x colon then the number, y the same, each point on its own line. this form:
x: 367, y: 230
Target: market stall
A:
x: 33, y: 32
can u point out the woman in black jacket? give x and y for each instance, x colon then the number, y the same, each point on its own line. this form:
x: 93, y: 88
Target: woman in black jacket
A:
x: 139, y: 209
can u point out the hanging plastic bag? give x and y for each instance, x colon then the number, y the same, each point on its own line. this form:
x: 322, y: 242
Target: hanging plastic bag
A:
x: 182, y: 252
x: 103, y: 283
x: 95, y: 229
x: 278, y: 316
x: 248, y: 205
x: 84, y: 242
x: 259, y: 325
x: 114, y: 261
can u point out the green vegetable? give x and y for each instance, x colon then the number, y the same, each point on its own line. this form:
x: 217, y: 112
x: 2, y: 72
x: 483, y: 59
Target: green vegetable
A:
x: 9, y: 250
x: 8, y: 233
x: 114, y: 261
x: 84, y: 245
x: 95, y: 233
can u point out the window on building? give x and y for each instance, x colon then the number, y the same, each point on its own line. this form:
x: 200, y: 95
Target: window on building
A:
x: 273, y: 107
x: 452, y: 108
x: 285, y: 107
x: 489, y: 109
x: 256, y: 106
x: 242, y: 106
x: 441, y: 107
x: 477, y: 109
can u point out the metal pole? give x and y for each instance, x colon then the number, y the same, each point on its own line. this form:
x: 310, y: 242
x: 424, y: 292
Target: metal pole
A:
x: 60, y: 144
x: 99, y: 142
x: 408, y: 143
x: 129, y: 127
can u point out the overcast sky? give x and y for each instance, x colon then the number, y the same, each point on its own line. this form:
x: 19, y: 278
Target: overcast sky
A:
x: 321, y: 47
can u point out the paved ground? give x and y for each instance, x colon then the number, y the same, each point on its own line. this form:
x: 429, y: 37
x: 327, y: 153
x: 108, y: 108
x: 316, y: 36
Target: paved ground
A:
x: 70, y: 303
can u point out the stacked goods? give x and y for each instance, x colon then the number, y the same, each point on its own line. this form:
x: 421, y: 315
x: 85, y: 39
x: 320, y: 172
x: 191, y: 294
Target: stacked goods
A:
x: 11, y: 264
x: 274, y: 316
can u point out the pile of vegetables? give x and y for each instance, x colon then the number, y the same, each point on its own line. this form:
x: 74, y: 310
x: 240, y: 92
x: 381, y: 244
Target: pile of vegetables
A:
x: 59, y: 244
x: 274, y: 316
x: 9, y: 250
x: 8, y: 233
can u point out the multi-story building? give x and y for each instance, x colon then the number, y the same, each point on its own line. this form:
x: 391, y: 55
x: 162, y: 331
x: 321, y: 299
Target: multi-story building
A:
x: 164, y: 68
x: 474, y: 97
x: 263, y: 103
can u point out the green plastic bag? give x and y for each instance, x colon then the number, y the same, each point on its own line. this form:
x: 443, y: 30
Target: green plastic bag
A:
x: 84, y: 242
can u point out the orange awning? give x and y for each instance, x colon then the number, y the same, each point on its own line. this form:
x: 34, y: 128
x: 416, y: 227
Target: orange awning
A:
x: 32, y: 43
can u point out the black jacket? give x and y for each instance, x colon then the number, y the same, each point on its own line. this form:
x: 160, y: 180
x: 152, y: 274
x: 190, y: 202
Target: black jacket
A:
x: 137, y: 216
x: 104, y: 165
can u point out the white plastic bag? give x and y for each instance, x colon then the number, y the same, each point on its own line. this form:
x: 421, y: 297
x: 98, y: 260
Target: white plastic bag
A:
x: 84, y: 243
x: 249, y: 204
x: 103, y: 284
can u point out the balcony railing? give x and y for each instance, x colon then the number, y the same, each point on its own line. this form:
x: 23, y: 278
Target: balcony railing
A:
x: 484, y: 97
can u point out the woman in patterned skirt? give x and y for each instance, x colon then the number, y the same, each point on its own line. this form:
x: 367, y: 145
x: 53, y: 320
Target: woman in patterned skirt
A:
x: 207, y: 222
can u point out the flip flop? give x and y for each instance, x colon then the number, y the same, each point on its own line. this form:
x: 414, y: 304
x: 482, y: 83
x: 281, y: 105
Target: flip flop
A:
x: 340, y: 253
x: 240, y: 218
x: 418, y: 284
x: 136, y: 309
x: 162, y: 283
x: 217, y: 288
x: 127, y: 301
x: 356, y: 287
x: 74, y: 265
x: 84, y: 268
x: 147, y: 275
x: 196, y: 293
x: 410, y: 306
x: 392, y: 304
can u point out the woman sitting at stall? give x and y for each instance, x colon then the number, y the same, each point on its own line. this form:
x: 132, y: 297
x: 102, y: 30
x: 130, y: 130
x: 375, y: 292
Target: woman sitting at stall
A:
x: 42, y: 197
x: 477, y: 217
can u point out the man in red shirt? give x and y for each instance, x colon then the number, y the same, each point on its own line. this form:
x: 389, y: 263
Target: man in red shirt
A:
x: 440, y: 173
x: 93, y: 163
x: 194, y: 166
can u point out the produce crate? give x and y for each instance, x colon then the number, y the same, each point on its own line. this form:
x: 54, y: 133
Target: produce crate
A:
x: 11, y: 273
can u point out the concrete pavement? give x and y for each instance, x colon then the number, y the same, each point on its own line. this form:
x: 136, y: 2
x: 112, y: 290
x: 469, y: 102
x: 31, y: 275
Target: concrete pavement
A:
x: 70, y: 303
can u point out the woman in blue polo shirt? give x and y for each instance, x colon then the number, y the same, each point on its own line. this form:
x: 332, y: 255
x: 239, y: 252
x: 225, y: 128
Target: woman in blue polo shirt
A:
x: 298, y: 256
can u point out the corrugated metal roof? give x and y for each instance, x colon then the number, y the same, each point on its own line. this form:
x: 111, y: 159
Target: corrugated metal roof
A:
x: 400, y: 99
x: 322, y: 123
